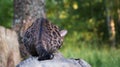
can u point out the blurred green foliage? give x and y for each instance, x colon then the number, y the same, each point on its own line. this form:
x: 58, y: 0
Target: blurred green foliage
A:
x: 85, y: 18
x: 87, y: 28
x: 6, y: 12
x: 96, y: 56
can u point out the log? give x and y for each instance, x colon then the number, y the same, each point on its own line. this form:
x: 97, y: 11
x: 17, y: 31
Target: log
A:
x: 57, y: 61
x: 9, y: 48
x: 33, y: 62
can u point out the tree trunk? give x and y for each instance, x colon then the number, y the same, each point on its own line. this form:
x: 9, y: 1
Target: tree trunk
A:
x: 25, y: 12
x: 110, y: 24
x: 118, y: 15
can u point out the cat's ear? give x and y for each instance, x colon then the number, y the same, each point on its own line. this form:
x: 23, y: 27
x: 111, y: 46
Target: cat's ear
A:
x: 63, y: 33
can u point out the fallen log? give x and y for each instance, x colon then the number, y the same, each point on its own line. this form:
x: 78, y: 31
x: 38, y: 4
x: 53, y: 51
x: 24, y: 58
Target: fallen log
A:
x: 9, y: 48
x: 57, y: 61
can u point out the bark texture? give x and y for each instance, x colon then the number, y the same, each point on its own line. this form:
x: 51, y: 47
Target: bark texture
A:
x: 57, y: 61
x: 9, y: 48
x: 25, y: 12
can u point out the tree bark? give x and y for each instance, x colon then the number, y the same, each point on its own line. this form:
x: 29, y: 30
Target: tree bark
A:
x: 57, y: 61
x: 118, y: 15
x: 9, y: 48
x: 25, y: 12
x: 33, y: 62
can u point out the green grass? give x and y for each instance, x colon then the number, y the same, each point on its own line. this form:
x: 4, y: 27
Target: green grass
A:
x: 96, y: 57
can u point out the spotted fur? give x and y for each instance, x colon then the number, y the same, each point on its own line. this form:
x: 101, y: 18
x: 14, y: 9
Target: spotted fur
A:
x: 43, y: 39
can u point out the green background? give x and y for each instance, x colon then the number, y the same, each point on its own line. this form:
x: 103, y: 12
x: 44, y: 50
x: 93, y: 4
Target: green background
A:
x: 86, y: 22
